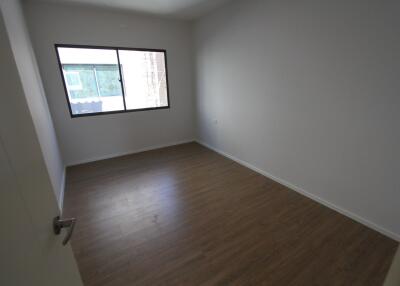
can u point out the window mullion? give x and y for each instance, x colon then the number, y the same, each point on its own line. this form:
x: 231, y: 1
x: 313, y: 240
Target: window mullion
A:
x: 121, y: 81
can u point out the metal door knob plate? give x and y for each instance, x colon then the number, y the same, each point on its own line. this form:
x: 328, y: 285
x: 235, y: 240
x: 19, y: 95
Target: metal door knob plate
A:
x: 59, y: 224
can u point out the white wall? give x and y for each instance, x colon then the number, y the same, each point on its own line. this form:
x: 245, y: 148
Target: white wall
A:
x: 308, y: 92
x: 33, y: 89
x: 91, y: 138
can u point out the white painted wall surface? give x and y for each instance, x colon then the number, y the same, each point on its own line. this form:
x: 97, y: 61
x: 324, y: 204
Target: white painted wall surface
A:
x: 308, y: 91
x: 91, y: 138
x: 34, y: 92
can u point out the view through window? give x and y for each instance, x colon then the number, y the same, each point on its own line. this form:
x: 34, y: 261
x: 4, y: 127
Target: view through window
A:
x: 109, y: 80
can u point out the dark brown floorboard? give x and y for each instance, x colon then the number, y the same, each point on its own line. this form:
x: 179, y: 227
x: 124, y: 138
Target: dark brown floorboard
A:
x: 185, y: 215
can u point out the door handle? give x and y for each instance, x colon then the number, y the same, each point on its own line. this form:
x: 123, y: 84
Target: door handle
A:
x: 58, y: 224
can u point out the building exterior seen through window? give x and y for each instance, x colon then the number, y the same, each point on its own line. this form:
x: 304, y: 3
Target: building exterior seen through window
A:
x: 109, y: 80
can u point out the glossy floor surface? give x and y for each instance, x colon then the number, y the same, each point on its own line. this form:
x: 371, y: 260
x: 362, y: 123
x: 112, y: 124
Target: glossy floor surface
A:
x: 185, y: 215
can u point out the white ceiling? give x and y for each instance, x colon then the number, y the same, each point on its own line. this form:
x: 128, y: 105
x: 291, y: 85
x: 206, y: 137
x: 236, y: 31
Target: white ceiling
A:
x: 185, y: 9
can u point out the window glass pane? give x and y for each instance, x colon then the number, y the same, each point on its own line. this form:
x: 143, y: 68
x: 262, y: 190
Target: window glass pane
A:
x: 80, y: 81
x: 144, y: 76
x: 108, y: 80
x: 92, y: 79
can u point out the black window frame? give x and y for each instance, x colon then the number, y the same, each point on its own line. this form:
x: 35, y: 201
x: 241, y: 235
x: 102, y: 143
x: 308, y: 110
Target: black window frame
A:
x: 56, y: 46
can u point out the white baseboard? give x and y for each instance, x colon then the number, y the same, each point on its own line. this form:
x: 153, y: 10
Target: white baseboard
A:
x: 133, y: 151
x: 62, y: 190
x: 291, y: 186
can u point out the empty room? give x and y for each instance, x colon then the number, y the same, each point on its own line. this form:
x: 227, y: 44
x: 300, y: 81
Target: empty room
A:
x: 199, y: 142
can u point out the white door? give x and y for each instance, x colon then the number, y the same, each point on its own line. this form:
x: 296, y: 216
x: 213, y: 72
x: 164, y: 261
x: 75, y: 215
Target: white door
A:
x: 30, y: 253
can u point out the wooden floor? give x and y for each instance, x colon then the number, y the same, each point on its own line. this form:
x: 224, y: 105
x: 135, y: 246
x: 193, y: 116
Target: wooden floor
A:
x: 185, y: 215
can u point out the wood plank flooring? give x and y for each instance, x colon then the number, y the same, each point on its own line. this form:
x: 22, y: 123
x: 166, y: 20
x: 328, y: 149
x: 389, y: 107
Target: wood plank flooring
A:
x: 185, y: 215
